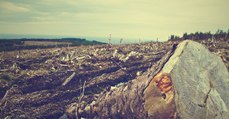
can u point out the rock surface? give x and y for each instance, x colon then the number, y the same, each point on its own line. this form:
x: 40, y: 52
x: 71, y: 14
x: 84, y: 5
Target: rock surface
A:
x: 200, y: 81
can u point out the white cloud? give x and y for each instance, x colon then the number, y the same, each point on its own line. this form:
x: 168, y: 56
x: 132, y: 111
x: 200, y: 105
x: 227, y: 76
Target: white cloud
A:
x: 9, y: 6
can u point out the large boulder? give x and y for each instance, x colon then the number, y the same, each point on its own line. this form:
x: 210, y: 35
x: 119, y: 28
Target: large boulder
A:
x: 200, y: 81
x: 189, y: 83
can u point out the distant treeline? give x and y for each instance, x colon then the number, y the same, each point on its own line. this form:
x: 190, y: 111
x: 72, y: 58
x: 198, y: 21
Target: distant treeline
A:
x: 218, y: 35
x: 18, y: 44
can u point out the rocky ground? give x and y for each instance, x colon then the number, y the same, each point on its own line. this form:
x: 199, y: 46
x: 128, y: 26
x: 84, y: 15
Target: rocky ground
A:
x: 43, y: 83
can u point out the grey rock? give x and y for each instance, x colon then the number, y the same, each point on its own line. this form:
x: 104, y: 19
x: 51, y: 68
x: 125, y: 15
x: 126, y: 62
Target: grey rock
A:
x: 200, y: 81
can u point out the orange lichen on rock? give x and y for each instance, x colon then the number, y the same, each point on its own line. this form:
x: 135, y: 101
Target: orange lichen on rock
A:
x: 163, y: 82
x: 159, y: 97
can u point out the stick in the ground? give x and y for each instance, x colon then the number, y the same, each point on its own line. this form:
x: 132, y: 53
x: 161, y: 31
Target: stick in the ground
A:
x: 81, y: 97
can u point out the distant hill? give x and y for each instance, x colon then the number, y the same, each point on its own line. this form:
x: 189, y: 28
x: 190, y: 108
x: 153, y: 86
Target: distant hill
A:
x: 34, y: 43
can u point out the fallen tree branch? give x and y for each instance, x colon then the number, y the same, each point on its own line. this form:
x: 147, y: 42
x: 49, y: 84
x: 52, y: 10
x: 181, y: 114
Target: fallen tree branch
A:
x: 68, y: 79
x: 82, y: 94
x: 124, y: 69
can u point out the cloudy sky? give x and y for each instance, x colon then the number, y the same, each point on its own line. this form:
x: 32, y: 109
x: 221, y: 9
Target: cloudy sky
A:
x: 127, y: 19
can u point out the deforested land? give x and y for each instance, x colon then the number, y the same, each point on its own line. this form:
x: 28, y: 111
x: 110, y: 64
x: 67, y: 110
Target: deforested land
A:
x: 67, y: 80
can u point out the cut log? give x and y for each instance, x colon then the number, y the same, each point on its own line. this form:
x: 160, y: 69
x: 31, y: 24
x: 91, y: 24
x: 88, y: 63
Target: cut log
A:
x: 189, y: 83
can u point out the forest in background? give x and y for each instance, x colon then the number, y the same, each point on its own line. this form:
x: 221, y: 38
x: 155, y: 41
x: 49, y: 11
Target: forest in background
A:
x: 34, y: 43
x: 219, y: 35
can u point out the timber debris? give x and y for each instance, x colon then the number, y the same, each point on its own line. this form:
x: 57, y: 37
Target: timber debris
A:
x: 47, y: 81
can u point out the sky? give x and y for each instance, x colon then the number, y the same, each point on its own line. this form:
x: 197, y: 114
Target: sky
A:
x: 127, y: 19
